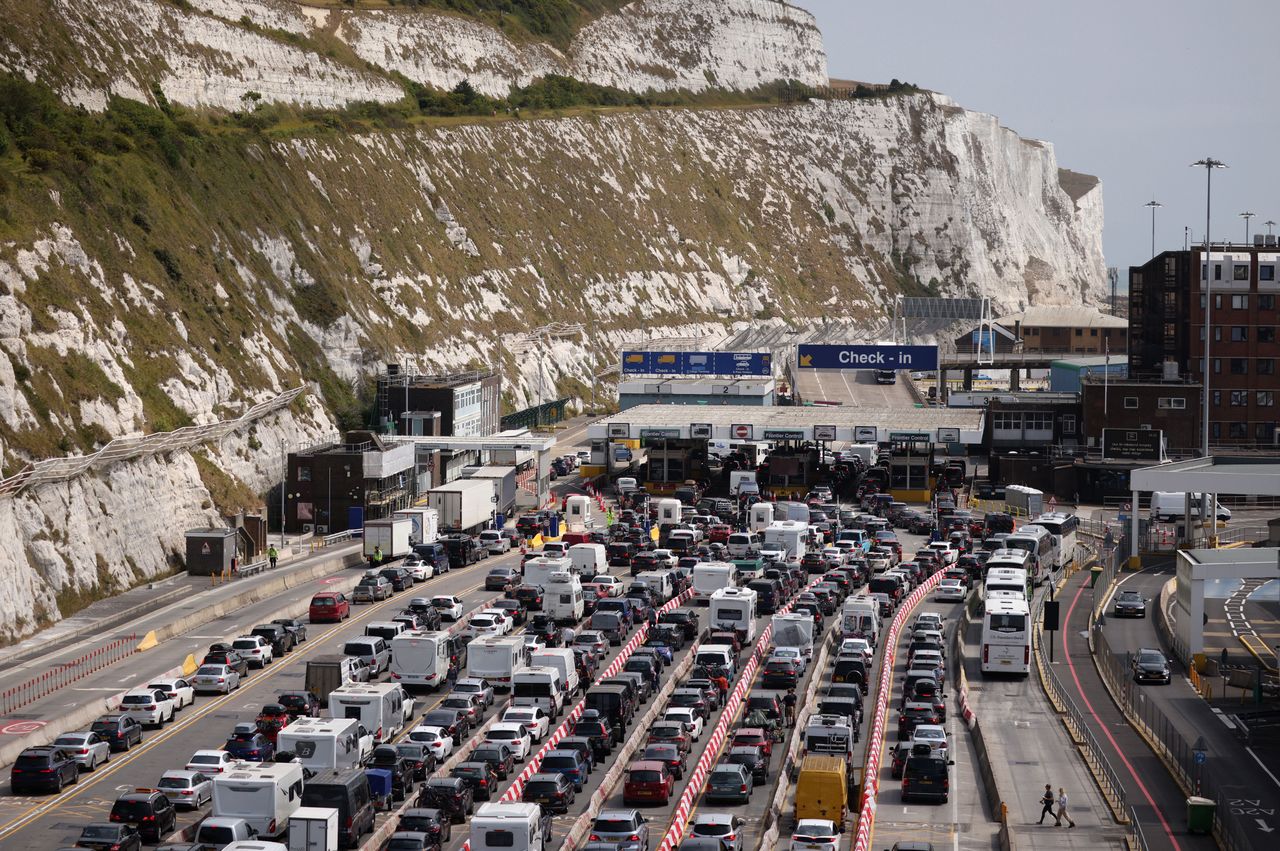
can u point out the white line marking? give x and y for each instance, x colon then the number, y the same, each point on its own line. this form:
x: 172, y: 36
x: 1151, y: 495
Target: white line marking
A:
x: 1263, y: 767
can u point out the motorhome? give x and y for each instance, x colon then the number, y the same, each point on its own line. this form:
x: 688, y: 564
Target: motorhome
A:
x: 497, y: 659
x: 323, y: 743
x: 383, y: 708
x: 760, y: 516
x: 790, y: 536
x: 420, y: 659
x: 659, y: 581
x: 562, y: 597
x: 265, y: 794
x: 509, y: 827
x: 735, y: 609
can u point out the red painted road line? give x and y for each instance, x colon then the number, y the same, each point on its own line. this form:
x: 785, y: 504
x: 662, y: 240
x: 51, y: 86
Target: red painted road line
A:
x: 1164, y: 823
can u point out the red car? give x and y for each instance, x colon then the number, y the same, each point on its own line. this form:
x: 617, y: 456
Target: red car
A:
x: 648, y: 781
x: 329, y: 607
x: 271, y: 720
x: 719, y: 534
x: 753, y: 736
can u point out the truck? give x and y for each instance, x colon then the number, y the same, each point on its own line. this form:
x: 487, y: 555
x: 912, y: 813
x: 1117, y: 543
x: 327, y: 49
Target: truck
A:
x: 323, y: 743
x: 866, y: 451
x: 1029, y: 502
x: 563, y: 599
x: 794, y: 631
x: 391, y: 536
x: 588, y: 560
x: 562, y: 659
x: 735, y: 609
x: 711, y: 576
x: 420, y: 660
x: 497, y: 659
x: 383, y: 708
x: 790, y: 536
x: 265, y: 794
x: 426, y: 524
x: 743, y: 482
x: 510, y: 827
x: 504, y: 485
x: 464, y: 505
x: 326, y: 673
x: 538, y: 570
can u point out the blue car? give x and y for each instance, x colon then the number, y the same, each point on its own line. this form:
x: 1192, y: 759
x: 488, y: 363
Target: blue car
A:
x: 248, y: 744
x: 570, y: 763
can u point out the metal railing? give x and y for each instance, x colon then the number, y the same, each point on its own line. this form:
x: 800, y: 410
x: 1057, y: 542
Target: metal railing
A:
x: 62, y: 675
x: 129, y: 448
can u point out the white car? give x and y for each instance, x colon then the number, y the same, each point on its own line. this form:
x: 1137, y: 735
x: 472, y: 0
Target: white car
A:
x: 612, y: 585
x: 365, y: 738
x: 481, y: 625
x: 666, y: 558
x: 691, y: 720
x: 502, y: 615
x: 534, y: 720
x: 450, y: 608
x: 514, y: 736
x: 950, y: 590
x: 945, y: 552
x: 436, y: 739
x: 219, y: 678
x: 932, y: 735
x: 210, y: 762
x: 178, y: 690
x: 418, y: 569
x: 534, y: 643
x: 815, y: 834
x: 189, y: 789
x: 148, y: 706
x: 255, y: 648
x: 790, y: 654
x: 833, y: 556
x: 495, y: 542
x: 88, y: 748
x: 852, y: 646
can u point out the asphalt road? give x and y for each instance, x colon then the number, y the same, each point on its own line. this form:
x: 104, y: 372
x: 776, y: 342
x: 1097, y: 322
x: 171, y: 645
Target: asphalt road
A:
x: 851, y: 387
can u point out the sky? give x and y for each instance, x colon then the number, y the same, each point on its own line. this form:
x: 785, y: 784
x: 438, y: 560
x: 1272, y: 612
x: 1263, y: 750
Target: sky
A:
x: 1132, y: 91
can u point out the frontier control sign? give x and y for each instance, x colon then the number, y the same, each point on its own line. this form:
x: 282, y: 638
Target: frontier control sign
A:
x: 813, y: 356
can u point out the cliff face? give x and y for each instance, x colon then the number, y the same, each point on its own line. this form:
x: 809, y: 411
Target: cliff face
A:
x: 142, y: 294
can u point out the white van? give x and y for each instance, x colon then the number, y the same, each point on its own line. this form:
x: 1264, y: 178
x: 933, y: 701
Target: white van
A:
x: 744, y: 545
x: 386, y: 630
x: 508, y: 827
x: 383, y: 708
x: 588, y: 559
x: 264, y: 794
x: 420, y: 659
x: 562, y: 660
x: 323, y: 743
x: 1166, y: 506
x: 539, y: 686
x: 370, y: 649
x: 562, y: 598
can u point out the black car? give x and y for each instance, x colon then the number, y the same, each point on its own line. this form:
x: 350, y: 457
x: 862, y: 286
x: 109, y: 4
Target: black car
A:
x: 666, y: 635
x: 151, y: 812
x: 480, y: 776
x: 454, y: 721
x: 542, y: 625
x: 451, y: 795
x: 402, y: 770
x: 497, y: 755
x: 691, y: 698
x: 121, y: 732
x: 925, y: 775
x: 752, y: 759
x: 813, y: 563
x: 1151, y: 666
x: 1130, y: 604
x: 296, y: 627
x: 110, y: 837
x: 408, y: 840
x: 529, y: 596
x: 398, y: 577
x: 43, y: 769
x: 228, y: 657
x: 531, y: 524
x: 463, y: 550
x: 300, y: 704
x: 435, y: 823
x: 282, y: 640
x: 781, y: 673
x: 514, y: 608
x: 554, y: 792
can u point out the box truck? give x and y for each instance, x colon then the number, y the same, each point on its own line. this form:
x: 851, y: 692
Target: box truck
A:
x: 313, y: 829
x: 504, y: 484
x: 426, y: 524
x: 323, y: 743
x: 465, y: 505
x: 265, y: 794
x: 497, y: 659
x: 563, y: 599
x: 420, y: 660
x: 392, y: 536
x: 326, y: 673
x: 383, y: 708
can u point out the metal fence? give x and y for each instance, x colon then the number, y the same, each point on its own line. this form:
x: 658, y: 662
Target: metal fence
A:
x: 66, y: 673
x: 129, y: 448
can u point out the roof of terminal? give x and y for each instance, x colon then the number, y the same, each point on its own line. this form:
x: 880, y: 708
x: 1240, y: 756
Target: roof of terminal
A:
x: 1237, y: 476
x: 842, y: 423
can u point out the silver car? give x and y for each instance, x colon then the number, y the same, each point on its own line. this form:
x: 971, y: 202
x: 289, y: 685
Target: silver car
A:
x: 187, y: 789
x: 219, y: 678
x: 89, y: 749
x: 620, y: 826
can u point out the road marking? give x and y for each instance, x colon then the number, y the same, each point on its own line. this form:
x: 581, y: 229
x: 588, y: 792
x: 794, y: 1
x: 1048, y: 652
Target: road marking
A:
x: 1262, y: 766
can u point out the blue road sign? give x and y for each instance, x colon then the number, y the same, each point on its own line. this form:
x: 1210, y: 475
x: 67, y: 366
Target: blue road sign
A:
x: 697, y: 363
x: 811, y: 356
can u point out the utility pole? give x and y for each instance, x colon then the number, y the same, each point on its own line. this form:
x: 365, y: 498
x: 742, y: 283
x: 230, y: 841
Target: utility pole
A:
x: 1208, y: 164
x: 284, y: 482
x: 1270, y: 224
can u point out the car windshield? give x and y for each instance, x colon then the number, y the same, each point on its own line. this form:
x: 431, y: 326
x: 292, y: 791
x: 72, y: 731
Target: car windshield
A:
x: 1151, y: 659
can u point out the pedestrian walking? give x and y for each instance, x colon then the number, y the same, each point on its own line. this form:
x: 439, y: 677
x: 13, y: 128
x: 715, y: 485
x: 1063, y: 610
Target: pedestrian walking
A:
x: 653, y: 617
x: 1062, y: 810
x: 789, y: 702
x: 272, y: 555
x: 1046, y: 803
x: 566, y: 636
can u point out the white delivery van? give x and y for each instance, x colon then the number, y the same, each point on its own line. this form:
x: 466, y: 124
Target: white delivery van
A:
x: 508, y: 827
x: 794, y: 630
x: 711, y: 576
x: 313, y: 829
x: 761, y: 516
x: 859, y: 618
x: 1167, y: 506
x: 562, y: 597
x: 383, y: 708
x: 735, y: 609
x: 497, y: 659
x: 588, y: 559
x: 538, y: 570
x: 420, y: 660
x: 744, y: 545
x: 539, y: 686
x: 265, y: 794
x: 562, y: 660
x: 323, y: 743
x: 658, y: 581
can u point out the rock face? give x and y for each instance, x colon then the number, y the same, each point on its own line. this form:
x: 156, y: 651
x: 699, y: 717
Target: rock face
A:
x: 252, y: 264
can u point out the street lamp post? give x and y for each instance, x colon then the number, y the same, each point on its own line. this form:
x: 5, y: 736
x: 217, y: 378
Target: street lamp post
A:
x: 1246, y: 216
x: 1153, y: 204
x: 1270, y: 224
x: 1208, y: 164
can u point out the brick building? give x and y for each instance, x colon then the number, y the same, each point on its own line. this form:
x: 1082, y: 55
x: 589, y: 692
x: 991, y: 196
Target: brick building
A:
x: 1078, y: 330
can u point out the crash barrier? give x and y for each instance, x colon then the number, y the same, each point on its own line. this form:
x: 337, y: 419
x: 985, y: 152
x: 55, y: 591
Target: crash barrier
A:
x: 62, y: 675
x: 698, y: 778
x: 875, y: 743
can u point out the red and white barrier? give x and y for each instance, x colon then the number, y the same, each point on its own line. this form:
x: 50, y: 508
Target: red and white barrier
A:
x: 875, y: 744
